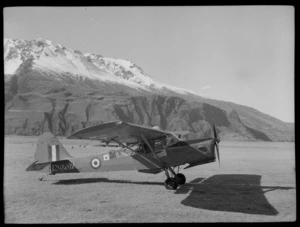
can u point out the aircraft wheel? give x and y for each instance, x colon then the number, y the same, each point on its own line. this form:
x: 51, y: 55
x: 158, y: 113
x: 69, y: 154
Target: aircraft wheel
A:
x: 171, y: 183
x: 180, y: 178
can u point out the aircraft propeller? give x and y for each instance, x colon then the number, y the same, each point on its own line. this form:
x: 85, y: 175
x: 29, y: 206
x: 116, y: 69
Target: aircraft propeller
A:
x: 217, y: 140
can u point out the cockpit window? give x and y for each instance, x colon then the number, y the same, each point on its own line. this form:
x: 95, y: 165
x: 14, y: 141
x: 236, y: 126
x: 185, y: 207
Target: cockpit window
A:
x: 171, y: 140
x: 158, y: 144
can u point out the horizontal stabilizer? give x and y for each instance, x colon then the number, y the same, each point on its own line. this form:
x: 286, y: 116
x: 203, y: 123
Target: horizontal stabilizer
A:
x: 61, y: 166
x: 37, y: 167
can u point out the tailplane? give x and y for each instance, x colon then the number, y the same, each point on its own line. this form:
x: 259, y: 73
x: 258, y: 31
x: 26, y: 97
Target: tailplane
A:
x: 48, y: 150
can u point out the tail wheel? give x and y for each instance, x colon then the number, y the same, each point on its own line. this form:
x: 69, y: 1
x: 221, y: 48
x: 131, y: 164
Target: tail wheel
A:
x: 171, y: 184
x: 180, y: 178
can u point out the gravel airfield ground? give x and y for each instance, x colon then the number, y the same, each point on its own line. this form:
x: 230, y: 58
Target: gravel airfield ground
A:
x: 254, y: 183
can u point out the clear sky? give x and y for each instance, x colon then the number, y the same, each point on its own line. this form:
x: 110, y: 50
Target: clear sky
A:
x: 243, y: 54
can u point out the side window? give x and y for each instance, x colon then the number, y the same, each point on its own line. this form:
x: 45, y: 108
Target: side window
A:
x: 144, y: 148
x: 140, y: 148
x: 171, y: 140
x: 159, y: 144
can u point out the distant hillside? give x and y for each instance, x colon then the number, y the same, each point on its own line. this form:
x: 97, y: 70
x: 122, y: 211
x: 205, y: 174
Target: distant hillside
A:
x: 51, y: 88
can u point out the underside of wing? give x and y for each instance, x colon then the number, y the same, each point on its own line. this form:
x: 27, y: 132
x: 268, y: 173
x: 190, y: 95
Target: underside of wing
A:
x: 121, y: 131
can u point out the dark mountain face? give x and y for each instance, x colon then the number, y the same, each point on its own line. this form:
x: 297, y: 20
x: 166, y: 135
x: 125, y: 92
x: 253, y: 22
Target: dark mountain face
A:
x: 63, y: 111
x: 40, y: 99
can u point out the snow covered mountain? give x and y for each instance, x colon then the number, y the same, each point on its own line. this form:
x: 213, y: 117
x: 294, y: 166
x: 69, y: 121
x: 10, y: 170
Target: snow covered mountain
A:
x: 64, y: 64
x: 49, y: 87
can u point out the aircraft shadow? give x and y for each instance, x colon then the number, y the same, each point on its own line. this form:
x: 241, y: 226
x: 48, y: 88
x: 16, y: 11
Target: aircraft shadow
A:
x: 99, y: 180
x: 232, y: 193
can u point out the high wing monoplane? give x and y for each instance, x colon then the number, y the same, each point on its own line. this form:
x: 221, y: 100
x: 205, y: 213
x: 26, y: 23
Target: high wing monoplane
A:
x: 148, y: 150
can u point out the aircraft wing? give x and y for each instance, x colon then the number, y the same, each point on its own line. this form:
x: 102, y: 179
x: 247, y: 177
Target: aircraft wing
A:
x: 121, y: 131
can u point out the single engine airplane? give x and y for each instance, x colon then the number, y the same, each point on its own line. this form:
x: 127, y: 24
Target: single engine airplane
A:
x: 148, y: 150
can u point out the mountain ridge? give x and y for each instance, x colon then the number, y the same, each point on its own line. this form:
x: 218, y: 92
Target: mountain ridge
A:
x: 65, y: 60
x: 52, y: 88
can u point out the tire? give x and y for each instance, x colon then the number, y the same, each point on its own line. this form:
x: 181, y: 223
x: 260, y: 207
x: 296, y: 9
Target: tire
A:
x: 180, y: 178
x: 171, y: 184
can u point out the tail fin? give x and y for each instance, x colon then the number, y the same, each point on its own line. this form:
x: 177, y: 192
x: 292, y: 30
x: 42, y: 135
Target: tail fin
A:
x: 48, y: 149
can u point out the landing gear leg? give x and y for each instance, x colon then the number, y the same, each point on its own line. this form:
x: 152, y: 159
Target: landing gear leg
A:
x: 173, y: 182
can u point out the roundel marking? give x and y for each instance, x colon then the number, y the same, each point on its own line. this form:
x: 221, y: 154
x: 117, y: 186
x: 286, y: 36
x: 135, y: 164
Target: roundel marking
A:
x: 95, y: 163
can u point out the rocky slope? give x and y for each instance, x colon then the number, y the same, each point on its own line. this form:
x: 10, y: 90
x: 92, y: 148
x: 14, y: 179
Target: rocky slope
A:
x: 51, y: 88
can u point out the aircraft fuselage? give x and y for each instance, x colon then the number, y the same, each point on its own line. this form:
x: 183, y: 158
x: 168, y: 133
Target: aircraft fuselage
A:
x: 180, y: 153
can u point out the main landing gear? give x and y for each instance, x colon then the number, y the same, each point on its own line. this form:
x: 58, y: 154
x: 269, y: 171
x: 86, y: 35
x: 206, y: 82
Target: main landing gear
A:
x: 172, y: 183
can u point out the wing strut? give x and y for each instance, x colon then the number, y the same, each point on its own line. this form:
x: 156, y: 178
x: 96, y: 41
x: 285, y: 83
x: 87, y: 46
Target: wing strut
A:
x: 152, y: 151
x: 124, y: 145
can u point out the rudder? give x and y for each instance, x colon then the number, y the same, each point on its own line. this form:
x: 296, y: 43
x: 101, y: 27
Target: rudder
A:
x: 48, y: 149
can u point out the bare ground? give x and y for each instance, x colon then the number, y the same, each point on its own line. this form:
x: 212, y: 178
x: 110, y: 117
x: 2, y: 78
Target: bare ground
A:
x: 255, y: 183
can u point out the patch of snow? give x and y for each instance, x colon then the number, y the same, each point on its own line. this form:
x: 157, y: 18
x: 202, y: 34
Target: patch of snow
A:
x: 58, y: 60
x: 11, y: 66
x: 70, y: 64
